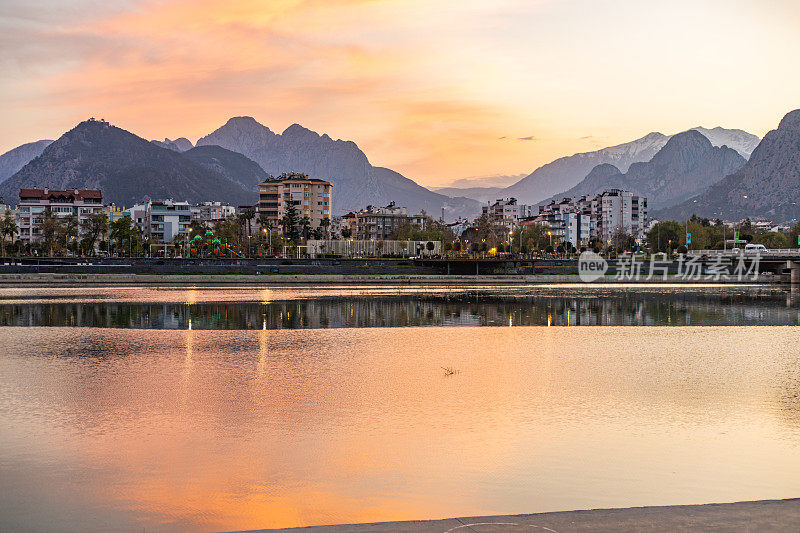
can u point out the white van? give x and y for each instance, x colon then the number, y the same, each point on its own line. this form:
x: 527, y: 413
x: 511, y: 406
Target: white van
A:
x: 754, y: 248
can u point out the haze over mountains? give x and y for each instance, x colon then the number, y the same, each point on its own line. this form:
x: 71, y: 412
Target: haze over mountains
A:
x: 686, y: 165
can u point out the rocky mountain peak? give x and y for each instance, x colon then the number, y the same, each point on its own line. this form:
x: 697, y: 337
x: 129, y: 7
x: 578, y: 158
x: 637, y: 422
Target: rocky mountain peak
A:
x: 688, y: 144
x: 296, y: 131
x: 603, y: 171
x: 791, y: 121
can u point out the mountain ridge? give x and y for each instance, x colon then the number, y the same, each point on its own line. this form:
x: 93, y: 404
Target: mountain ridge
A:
x: 127, y: 168
x: 299, y: 149
x: 13, y: 160
x: 768, y: 185
x: 564, y: 173
x: 686, y: 165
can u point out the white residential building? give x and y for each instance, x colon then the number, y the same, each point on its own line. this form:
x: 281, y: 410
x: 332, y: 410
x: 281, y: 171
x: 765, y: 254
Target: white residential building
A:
x: 212, y: 211
x: 507, y: 212
x: 163, y: 220
x: 620, y: 211
x: 34, y: 202
x: 596, y: 216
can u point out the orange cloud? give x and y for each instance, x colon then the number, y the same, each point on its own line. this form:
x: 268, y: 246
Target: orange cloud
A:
x: 461, y: 73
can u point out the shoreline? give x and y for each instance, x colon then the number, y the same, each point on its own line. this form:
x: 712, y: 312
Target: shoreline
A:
x: 760, y: 515
x: 352, y: 279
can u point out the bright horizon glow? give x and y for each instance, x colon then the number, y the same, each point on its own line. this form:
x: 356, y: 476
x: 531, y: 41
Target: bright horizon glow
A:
x: 437, y: 90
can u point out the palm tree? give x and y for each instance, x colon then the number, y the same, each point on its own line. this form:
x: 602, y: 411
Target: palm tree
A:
x: 305, y: 223
x: 325, y: 224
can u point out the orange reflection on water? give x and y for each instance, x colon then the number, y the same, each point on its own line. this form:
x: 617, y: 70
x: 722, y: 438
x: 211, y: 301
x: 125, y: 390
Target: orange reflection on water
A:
x: 222, y: 430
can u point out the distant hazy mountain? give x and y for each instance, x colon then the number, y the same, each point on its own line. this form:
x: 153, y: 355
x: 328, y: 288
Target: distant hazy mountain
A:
x: 767, y: 186
x: 480, y: 194
x: 685, y: 166
x: 356, y: 182
x: 566, y: 172
x: 178, y: 145
x: 127, y: 168
x: 230, y: 164
x: 13, y: 160
x: 484, y: 182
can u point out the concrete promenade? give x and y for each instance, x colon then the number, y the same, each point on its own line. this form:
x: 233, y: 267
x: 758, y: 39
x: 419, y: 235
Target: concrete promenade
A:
x: 761, y: 516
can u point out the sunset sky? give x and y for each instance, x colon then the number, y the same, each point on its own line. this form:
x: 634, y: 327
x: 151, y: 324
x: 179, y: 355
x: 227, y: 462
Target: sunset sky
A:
x: 435, y: 89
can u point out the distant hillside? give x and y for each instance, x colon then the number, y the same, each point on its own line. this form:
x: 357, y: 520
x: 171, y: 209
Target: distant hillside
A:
x: 232, y: 165
x: 685, y: 166
x: 356, y: 182
x: 127, y: 168
x: 481, y: 194
x: 181, y: 144
x: 13, y: 160
x: 485, y: 181
x: 767, y: 186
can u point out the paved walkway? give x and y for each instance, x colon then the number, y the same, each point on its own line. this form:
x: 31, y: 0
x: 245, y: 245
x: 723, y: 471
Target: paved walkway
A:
x: 767, y: 515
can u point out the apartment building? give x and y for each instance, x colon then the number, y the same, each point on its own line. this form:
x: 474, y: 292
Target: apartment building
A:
x: 212, y: 211
x: 565, y: 226
x: 162, y: 220
x: 596, y: 216
x: 380, y: 223
x: 311, y: 197
x: 34, y: 202
x: 507, y: 212
x: 619, y: 210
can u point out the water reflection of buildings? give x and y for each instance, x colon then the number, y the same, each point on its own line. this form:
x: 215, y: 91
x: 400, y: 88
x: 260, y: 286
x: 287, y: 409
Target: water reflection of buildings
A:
x: 474, y: 309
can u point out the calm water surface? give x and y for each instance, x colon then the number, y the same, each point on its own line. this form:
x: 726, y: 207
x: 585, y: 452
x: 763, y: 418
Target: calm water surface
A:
x: 217, y: 409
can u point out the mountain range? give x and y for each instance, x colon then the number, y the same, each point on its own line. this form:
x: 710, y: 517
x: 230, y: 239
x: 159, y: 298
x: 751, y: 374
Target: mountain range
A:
x: 127, y: 168
x: 181, y: 144
x: 686, y: 165
x: 700, y: 171
x: 553, y: 179
x: 768, y: 185
x: 225, y: 165
x: 357, y: 182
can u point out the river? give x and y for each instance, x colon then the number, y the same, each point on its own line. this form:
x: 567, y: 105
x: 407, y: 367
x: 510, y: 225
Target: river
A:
x: 185, y: 409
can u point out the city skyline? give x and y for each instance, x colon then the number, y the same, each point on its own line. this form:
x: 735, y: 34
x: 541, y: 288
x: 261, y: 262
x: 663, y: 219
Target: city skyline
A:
x: 501, y: 88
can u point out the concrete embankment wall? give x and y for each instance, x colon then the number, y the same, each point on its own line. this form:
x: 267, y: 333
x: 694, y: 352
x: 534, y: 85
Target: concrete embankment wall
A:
x: 49, y: 279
